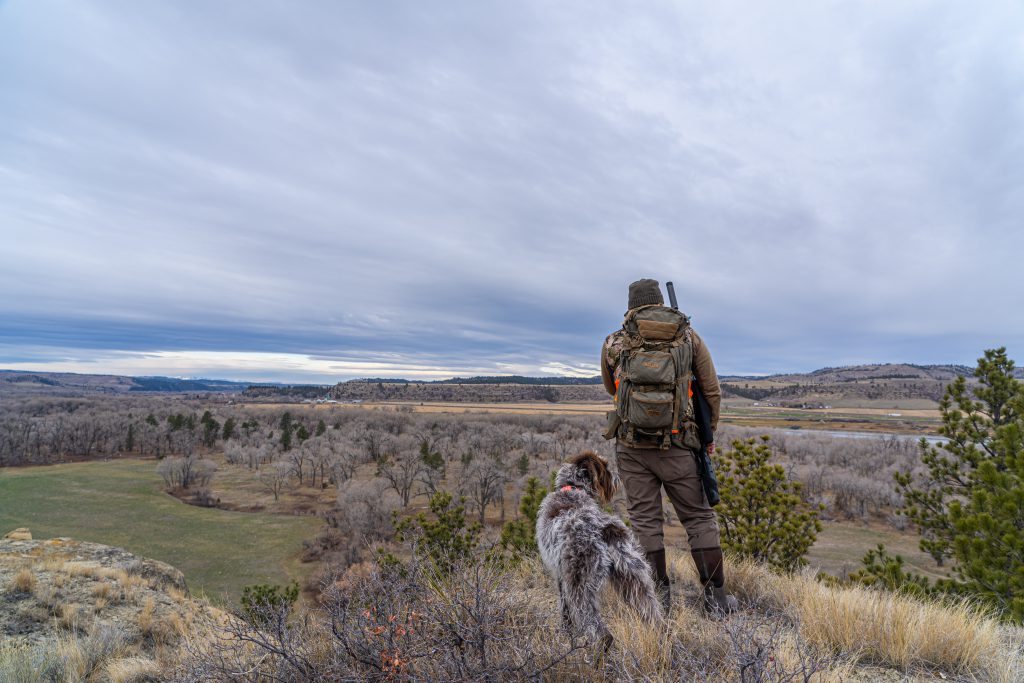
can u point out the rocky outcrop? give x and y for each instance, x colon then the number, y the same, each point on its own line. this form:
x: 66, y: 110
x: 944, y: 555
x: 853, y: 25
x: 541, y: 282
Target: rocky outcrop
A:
x: 60, y: 594
x: 21, y: 534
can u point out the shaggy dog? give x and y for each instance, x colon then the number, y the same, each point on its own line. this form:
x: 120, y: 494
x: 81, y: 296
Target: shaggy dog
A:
x: 583, y: 546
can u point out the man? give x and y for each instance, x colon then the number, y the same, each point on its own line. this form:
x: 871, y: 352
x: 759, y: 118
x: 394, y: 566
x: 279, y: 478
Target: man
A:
x: 651, y: 454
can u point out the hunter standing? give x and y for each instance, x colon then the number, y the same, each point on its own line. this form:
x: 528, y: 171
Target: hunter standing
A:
x: 648, y: 366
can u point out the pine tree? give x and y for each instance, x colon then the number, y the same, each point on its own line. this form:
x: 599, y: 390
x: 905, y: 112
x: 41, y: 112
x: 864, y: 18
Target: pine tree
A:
x: 286, y: 431
x: 882, y: 570
x: 519, y: 535
x: 445, y: 539
x: 969, y: 506
x: 762, y: 514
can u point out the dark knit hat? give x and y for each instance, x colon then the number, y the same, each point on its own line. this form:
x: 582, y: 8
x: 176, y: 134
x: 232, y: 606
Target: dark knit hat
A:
x: 643, y: 292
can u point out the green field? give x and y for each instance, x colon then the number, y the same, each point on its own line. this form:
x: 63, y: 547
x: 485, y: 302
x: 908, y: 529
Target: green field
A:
x: 121, y: 503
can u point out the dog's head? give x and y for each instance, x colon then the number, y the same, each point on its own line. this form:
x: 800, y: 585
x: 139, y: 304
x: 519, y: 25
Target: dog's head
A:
x: 588, y: 471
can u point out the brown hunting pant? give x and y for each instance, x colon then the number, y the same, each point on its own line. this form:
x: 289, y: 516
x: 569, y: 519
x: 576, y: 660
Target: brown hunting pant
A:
x: 643, y: 473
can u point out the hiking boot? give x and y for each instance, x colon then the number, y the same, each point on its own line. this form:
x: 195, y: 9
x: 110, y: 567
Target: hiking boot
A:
x: 662, y: 585
x: 717, y: 603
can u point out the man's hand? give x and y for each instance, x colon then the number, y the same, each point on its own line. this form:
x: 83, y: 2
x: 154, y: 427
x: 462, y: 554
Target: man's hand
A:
x: 711, y: 448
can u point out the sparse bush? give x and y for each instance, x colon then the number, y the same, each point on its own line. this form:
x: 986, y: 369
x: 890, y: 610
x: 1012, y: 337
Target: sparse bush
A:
x: 471, y: 622
x: 261, y: 601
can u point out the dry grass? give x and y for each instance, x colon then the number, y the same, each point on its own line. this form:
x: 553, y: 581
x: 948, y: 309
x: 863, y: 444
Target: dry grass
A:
x: 88, y: 569
x: 118, y: 574
x: 131, y: 670
x: 102, y: 590
x: 175, y: 626
x: 876, y: 627
x: 85, y: 658
x: 790, y: 628
x: 145, y: 620
x: 896, y: 630
x: 23, y: 582
x: 69, y: 616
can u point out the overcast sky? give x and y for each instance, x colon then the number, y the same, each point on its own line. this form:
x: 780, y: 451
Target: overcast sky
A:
x: 315, y: 191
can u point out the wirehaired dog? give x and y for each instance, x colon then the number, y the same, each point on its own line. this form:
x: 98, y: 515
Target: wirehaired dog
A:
x: 583, y: 546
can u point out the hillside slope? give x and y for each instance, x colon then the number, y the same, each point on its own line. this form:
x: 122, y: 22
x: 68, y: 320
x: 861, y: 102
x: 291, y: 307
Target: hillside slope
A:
x: 71, y: 610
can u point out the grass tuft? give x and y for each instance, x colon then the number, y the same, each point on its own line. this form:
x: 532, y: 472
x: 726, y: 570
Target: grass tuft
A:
x: 24, y: 581
x: 131, y: 670
x: 145, y: 619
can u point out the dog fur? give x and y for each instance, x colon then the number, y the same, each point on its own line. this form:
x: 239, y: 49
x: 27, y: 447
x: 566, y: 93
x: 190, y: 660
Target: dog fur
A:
x: 583, y: 547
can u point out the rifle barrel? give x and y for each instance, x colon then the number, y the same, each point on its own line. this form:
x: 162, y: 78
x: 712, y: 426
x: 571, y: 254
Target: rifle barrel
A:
x: 672, y: 295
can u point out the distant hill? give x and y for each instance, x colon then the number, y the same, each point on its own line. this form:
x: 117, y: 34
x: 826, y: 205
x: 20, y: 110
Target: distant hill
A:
x: 854, y: 373
x: 488, y: 379
x: 16, y: 382
x: 856, y: 382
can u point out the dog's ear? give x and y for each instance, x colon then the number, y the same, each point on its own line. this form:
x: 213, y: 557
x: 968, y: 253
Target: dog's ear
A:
x: 598, y: 472
x: 604, y: 482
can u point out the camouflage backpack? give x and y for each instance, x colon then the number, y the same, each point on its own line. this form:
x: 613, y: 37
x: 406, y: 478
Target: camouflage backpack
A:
x: 653, y: 398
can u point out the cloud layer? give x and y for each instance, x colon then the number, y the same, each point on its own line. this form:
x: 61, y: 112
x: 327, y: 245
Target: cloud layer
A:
x: 469, y: 187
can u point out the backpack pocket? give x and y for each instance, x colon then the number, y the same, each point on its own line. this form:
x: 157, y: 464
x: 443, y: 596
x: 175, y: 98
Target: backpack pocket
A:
x: 652, y: 367
x: 650, y: 409
x: 612, y: 425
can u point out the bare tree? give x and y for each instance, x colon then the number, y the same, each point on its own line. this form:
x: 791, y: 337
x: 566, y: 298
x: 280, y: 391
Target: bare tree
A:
x: 401, y: 469
x: 276, y: 477
x: 483, y: 482
x: 365, y: 510
x: 186, y: 472
x: 434, y: 467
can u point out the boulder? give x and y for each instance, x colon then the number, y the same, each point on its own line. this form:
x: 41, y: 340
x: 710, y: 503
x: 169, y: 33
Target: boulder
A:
x: 20, y: 534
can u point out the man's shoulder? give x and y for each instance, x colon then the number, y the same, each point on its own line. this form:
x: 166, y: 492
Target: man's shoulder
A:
x: 613, y: 345
x: 615, y: 339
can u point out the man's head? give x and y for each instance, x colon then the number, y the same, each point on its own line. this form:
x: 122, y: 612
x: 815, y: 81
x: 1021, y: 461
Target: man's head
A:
x: 644, y: 292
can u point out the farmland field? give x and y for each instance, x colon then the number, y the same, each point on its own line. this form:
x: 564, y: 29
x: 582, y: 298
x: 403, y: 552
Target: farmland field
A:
x: 121, y: 503
x: 884, y: 420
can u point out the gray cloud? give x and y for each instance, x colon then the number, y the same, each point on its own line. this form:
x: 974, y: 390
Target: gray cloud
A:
x: 474, y: 185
